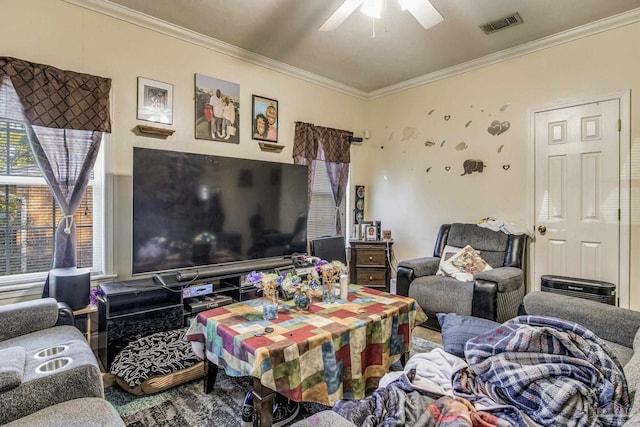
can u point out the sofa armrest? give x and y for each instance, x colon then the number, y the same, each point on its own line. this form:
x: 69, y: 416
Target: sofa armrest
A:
x: 609, y: 322
x: 410, y: 269
x: 65, y: 315
x: 29, y: 316
x: 508, y: 278
x: 427, y: 266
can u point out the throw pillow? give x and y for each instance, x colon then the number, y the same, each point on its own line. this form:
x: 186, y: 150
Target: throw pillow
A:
x: 464, y: 264
x: 447, y: 253
x: 457, y: 330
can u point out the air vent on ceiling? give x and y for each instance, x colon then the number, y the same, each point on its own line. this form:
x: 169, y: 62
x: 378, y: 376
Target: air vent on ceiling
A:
x: 502, y: 23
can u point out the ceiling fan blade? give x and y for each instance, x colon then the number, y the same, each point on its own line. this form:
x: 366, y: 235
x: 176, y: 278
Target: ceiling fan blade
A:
x: 425, y: 13
x: 338, y: 17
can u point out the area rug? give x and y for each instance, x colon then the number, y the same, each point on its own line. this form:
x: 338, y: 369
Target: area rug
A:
x: 188, y: 406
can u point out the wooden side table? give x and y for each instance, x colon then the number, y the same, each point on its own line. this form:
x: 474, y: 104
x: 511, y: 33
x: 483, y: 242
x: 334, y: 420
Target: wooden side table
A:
x: 86, y: 310
x: 370, y: 263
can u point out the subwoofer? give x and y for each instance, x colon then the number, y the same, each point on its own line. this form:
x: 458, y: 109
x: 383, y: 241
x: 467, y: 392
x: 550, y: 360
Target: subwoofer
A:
x: 71, y: 285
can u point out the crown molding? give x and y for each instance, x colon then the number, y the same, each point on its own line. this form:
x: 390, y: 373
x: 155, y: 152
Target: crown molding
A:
x: 122, y: 13
x: 131, y: 16
x: 586, y: 30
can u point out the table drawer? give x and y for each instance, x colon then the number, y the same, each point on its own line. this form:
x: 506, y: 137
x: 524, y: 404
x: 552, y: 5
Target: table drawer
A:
x: 371, y: 278
x: 371, y: 257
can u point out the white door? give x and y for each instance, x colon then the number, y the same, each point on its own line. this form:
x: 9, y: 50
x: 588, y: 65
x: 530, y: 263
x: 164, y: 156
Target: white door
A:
x: 577, y: 197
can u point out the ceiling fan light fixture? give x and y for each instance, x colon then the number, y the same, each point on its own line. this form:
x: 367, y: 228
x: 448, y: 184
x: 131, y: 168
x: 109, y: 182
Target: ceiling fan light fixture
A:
x: 372, y: 8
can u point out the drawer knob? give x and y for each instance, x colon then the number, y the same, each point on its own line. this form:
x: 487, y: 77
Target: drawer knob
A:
x: 370, y: 278
x: 370, y: 258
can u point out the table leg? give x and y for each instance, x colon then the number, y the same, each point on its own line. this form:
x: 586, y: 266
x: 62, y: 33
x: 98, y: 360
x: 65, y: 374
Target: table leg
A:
x: 404, y: 359
x: 210, y: 373
x: 263, y: 401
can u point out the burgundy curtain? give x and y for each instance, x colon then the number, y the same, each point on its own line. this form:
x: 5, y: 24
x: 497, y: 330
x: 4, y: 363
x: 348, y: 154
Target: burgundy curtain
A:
x: 65, y: 114
x: 332, y: 146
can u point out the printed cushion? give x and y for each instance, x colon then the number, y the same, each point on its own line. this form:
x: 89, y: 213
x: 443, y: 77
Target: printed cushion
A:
x: 457, y: 330
x: 447, y: 253
x: 157, y: 354
x: 464, y: 264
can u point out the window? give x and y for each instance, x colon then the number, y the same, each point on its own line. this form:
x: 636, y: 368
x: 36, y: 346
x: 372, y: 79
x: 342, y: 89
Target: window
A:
x: 29, y: 214
x: 322, y: 208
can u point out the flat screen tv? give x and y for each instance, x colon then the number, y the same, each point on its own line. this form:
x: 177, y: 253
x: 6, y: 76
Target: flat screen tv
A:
x: 192, y: 210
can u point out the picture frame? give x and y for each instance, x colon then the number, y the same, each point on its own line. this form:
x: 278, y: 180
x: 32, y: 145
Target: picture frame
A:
x: 217, y: 105
x: 371, y: 232
x: 264, y: 115
x: 155, y: 101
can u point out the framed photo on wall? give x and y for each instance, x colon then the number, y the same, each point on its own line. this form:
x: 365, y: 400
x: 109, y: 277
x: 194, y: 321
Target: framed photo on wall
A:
x: 265, y: 119
x: 217, y: 109
x: 155, y: 101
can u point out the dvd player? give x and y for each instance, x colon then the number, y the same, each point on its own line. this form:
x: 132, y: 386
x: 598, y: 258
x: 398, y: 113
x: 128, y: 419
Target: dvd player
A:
x: 208, y: 302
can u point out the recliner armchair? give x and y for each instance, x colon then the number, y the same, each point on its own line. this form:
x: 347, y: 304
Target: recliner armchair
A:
x: 43, y: 364
x: 494, y: 294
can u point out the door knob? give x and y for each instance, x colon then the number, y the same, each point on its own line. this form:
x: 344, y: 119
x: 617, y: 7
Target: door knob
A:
x: 542, y: 229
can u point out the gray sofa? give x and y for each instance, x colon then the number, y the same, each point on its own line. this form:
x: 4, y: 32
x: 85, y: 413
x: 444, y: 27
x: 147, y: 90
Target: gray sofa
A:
x: 43, y: 365
x: 619, y: 327
x: 495, y: 294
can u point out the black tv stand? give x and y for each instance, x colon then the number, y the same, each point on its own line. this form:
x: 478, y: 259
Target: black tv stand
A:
x: 135, y: 308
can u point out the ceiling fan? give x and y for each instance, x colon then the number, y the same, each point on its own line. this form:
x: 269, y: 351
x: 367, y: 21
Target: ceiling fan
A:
x: 422, y: 10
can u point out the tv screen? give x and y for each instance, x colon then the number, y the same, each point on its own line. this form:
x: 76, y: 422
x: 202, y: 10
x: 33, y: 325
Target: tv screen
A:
x: 193, y: 210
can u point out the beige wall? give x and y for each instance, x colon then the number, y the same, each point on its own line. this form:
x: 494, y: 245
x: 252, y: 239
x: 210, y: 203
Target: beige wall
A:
x: 393, y: 163
x: 591, y: 67
x: 69, y: 37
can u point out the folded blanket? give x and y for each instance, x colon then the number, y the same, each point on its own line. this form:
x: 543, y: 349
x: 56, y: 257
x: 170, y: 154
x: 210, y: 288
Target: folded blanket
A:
x: 555, y: 371
x: 499, y: 224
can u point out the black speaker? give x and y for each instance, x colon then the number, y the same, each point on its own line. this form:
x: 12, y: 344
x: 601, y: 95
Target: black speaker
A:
x: 71, y: 285
x: 358, y: 210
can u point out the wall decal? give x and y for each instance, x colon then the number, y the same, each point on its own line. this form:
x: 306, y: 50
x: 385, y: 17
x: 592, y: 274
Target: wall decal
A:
x: 506, y: 167
x: 505, y: 106
x: 428, y: 169
x: 447, y: 117
x: 500, y: 149
x: 462, y: 146
x: 429, y: 143
x: 409, y: 132
x: 468, y: 123
x: 472, y: 165
x: 442, y: 143
x: 498, y: 128
x: 447, y: 168
x: 430, y: 112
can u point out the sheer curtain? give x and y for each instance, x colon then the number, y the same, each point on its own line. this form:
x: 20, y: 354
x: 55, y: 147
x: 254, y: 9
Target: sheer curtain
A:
x: 312, y: 143
x: 65, y: 114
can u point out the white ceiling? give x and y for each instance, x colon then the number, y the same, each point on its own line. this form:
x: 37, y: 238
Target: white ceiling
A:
x: 287, y: 31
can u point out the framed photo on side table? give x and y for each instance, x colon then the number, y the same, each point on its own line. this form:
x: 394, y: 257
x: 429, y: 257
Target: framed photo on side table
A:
x: 371, y: 232
x: 265, y: 119
x: 155, y: 101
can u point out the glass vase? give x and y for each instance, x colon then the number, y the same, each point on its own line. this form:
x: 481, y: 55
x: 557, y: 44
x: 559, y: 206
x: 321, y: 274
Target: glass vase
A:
x: 302, y: 300
x: 328, y: 292
x: 270, y: 304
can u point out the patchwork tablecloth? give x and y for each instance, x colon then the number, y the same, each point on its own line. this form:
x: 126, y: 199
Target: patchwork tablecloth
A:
x: 330, y: 352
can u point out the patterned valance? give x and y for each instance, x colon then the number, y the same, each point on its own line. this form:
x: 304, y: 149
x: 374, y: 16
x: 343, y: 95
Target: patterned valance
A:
x: 57, y: 98
x: 313, y: 142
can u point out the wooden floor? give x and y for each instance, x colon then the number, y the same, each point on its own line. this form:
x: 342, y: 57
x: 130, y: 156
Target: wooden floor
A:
x: 427, y: 334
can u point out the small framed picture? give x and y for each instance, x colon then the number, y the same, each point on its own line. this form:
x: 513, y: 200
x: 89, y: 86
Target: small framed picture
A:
x: 265, y: 119
x: 370, y: 232
x: 155, y: 101
x: 386, y: 234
